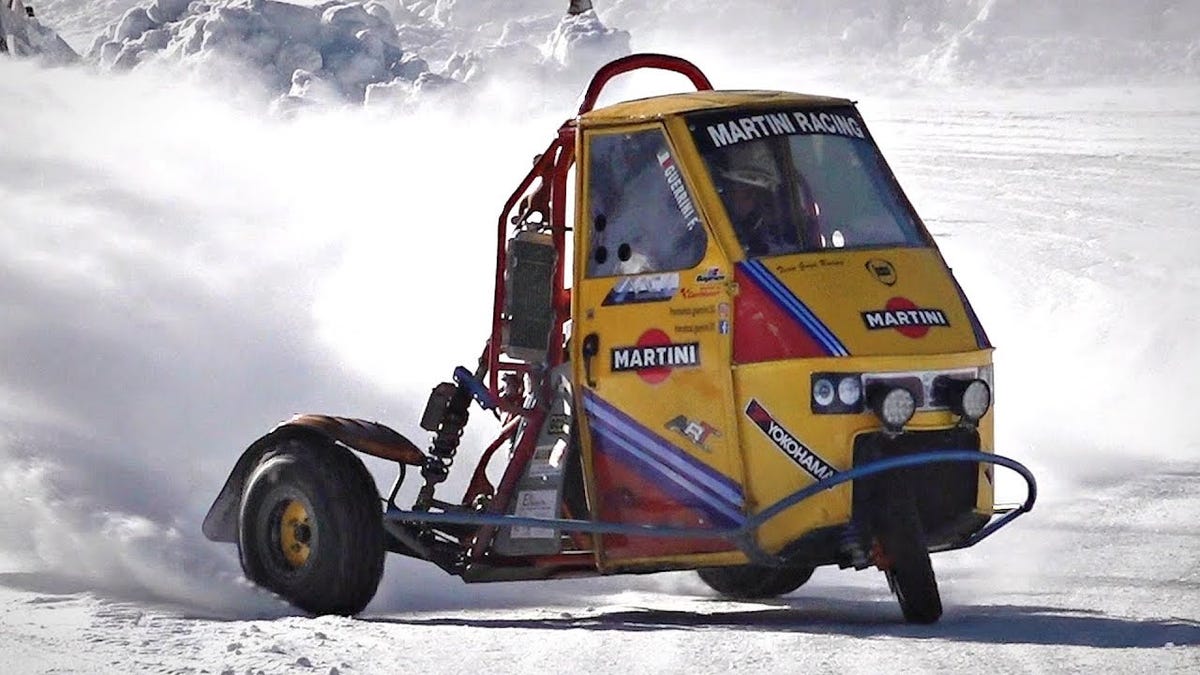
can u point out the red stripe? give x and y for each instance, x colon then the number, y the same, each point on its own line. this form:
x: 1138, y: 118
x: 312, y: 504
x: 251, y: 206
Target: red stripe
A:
x: 627, y: 497
x: 763, y: 331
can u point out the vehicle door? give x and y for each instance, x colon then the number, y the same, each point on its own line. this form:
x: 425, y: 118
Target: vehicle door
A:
x: 651, y: 346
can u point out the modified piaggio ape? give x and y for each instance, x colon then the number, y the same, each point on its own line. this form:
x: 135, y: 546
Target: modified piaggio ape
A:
x: 722, y: 340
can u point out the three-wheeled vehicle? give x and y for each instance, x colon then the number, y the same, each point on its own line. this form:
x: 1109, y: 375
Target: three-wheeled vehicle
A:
x: 722, y: 341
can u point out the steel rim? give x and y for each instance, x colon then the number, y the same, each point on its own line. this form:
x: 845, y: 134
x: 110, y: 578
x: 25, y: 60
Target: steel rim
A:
x: 295, y: 533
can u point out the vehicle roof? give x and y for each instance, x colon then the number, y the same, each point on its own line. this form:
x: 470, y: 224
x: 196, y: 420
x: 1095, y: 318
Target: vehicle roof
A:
x: 657, y: 107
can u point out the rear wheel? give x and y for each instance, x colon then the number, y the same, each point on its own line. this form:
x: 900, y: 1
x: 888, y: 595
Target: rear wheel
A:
x: 909, y: 571
x: 311, y: 529
x: 753, y: 582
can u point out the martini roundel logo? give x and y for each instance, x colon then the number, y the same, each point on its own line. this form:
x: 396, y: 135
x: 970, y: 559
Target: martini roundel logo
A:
x: 655, y: 356
x: 905, y: 317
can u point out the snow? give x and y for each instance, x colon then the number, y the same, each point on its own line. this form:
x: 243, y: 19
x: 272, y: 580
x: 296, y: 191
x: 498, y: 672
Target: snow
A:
x: 180, y: 270
x: 341, y: 52
x: 22, y: 34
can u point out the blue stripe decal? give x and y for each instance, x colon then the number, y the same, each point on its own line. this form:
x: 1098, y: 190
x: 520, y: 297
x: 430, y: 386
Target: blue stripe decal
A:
x: 672, y: 462
x: 605, y: 415
x: 793, y: 306
x: 680, y: 488
x: 665, y: 468
x: 682, y: 479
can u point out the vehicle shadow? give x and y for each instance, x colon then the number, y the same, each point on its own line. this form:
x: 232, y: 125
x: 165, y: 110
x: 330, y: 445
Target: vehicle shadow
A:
x: 1006, y: 624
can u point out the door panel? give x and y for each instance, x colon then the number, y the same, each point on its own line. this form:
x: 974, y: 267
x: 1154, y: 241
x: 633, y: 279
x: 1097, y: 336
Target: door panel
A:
x: 660, y: 445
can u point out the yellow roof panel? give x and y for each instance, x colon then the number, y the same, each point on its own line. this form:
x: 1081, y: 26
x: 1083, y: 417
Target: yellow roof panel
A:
x: 657, y: 107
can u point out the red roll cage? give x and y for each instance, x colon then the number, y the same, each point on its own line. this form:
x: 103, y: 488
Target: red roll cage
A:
x: 544, y: 191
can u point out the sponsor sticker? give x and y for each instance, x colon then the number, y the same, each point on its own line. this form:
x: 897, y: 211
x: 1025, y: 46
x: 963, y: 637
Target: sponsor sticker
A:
x: 723, y: 326
x: 697, y: 431
x: 710, y: 275
x: 804, y: 266
x: 535, y: 504
x: 731, y: 130
x: 675, y: 185
x: 798, y: 452
x: 693, y: 311
x: 905, y: 317
x: 643, y: 288
x: 696, y: 328
x: 702, y: 292
x: 655, y: 356
x: 883, y: 271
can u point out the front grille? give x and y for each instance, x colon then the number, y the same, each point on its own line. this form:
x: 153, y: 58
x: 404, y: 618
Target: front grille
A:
x: 946, y: 492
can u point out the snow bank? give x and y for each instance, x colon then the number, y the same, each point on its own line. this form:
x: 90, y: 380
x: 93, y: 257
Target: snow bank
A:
x: 990, y: 41
x: 21, y: 34
x: 347, y: 51
x: 344, y: 45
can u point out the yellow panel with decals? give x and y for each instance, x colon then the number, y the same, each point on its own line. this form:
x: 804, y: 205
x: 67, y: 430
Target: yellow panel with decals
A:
x: 652, y: 351
x: 786, y: 447
x: 686, y: 426
x: 881, y: 302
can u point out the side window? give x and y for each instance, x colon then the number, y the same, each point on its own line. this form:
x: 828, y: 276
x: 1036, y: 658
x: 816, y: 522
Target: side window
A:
x: 641, y: 216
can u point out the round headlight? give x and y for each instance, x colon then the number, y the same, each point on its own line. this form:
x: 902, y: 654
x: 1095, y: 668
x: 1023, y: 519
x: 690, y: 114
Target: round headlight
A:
x: 976, y: 399
x: 849, y: 390
x: 823, y: 392
x: 893, y: 405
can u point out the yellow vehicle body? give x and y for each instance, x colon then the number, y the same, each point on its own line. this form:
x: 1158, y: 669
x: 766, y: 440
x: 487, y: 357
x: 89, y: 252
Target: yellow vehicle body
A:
x: 715, y: 392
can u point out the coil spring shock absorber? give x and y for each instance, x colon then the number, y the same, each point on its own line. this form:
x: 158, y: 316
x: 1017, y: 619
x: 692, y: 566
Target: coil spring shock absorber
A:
x: 446, y: 416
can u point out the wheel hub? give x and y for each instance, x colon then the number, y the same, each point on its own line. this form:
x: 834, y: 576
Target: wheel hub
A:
x: 295, y: 533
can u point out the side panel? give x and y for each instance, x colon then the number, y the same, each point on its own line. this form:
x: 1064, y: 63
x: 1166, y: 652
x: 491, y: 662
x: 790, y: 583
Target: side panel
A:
x: 787, y: 447
x: 660, y: 442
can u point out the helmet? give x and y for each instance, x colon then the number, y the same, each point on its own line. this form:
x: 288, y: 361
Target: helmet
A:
x: 749, y: 165
x: 751, y: 176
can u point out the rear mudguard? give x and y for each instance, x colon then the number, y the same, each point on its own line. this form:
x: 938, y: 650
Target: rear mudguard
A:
x: 371, y: 438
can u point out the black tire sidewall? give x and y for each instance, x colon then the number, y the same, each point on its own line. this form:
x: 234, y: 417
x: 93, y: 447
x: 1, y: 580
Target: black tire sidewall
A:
x: 910, y: 576
x: 345, y: 561
x: 753, y: 582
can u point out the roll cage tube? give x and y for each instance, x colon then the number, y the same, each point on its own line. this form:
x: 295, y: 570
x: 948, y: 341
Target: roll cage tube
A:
x: 549, y: 197
x: 636, y: 62
x: 744, y: 535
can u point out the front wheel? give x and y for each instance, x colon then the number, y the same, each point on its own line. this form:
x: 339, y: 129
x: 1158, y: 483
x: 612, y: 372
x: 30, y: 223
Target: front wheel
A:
x: 311, y: 527
x: 909, y: 571
x: 754, y: 582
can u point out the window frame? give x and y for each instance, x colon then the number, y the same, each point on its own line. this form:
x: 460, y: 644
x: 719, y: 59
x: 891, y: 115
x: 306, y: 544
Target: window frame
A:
x: 585, y: 221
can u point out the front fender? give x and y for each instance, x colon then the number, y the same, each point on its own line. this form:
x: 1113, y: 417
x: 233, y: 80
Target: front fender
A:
x: 371, y: 438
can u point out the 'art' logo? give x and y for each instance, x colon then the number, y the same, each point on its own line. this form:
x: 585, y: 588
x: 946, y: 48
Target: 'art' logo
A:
x: 698, y: 431
x: 655, y: 356
x: 906, y: 317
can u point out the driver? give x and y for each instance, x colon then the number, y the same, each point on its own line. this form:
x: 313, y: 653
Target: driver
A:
x: 751, y: 195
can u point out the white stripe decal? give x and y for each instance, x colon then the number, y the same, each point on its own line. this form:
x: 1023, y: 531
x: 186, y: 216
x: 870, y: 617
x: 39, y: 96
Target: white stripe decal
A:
x: 696, y: 479
x: 654, y: 446
x: 667, y: 453
x: 674, y: 477
x: 796, y: 308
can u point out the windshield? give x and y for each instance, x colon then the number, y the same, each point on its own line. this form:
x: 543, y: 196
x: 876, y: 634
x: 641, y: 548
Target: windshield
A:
x: 796, y: 181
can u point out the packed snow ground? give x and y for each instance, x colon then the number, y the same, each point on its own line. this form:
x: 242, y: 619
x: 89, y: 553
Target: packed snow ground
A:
x: 178, y: 272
